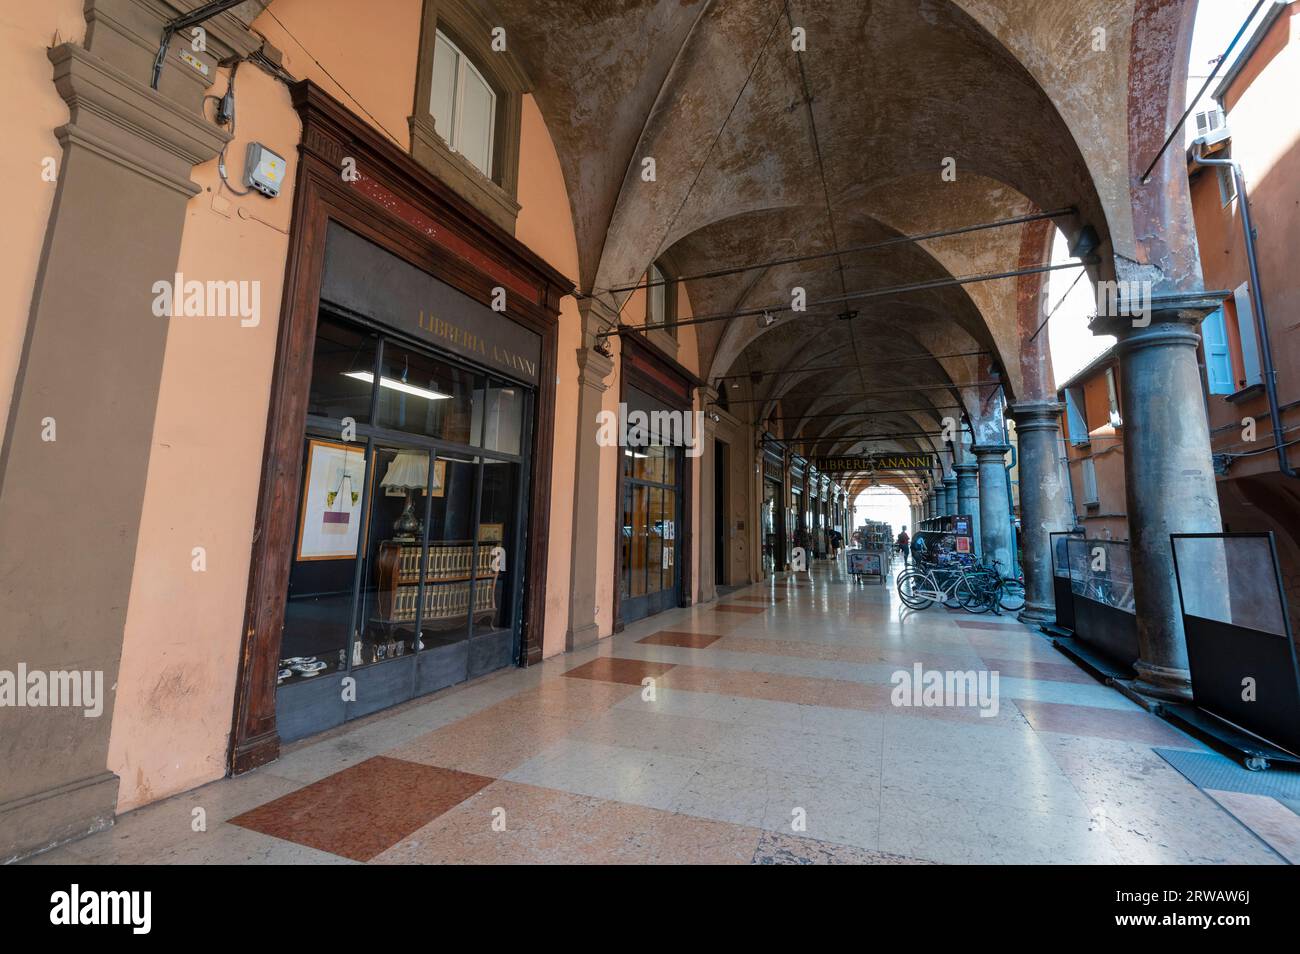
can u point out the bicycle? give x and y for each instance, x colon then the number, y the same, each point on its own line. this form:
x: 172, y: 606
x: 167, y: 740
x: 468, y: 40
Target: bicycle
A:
x: 927, y: 584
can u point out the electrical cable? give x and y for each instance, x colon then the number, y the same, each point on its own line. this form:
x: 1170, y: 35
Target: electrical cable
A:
x: 703, y: 163
x: 1146, y: 176
x: 226, y: 116
x: 333, y: 78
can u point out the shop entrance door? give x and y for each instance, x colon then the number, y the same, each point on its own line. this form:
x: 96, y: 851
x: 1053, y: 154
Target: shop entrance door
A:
x: 652, y: 478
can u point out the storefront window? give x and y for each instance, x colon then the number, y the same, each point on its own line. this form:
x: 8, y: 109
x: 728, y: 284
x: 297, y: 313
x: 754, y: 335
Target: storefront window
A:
x: 342, y: 369
x: 500, y: 567
x: 408, y: 564
x: 504, y: 418
x: 318, y: 610
x: 650, y: 518
x: 422, y: 395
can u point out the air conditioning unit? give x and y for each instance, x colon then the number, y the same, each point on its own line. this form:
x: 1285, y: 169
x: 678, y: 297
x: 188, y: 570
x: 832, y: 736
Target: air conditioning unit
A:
x: 1212, y: 126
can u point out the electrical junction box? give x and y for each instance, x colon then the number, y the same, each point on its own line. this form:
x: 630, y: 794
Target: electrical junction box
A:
x: 263, y: 170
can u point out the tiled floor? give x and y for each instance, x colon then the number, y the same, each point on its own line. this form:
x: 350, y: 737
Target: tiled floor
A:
x: 762, y: 729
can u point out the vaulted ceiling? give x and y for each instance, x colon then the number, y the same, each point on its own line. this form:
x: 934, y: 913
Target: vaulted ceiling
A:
x: 761, y: 153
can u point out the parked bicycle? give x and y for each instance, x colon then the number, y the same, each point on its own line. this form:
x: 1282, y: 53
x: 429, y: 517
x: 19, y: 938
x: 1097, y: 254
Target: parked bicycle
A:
x: 930, y: 583
x: 976, y: 589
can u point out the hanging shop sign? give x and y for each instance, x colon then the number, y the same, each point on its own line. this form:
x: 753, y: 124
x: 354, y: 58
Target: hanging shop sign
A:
x: 871, y: 462
x: 773, y: 471
x: 415, y: 302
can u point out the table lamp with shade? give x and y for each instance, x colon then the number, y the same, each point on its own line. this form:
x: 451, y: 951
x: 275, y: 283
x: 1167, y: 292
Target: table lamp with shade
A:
x: 409, y: 472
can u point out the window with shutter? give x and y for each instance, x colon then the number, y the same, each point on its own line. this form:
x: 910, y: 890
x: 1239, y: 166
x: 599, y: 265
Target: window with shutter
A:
x: 1076, y: 423
x: 1246, y: 331
x: 1089, y: 482
x: 463, y: 105
x: 1218, y: 360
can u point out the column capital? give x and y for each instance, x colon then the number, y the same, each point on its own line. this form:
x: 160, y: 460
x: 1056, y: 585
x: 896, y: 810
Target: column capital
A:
x: 1167, y: 319
x: 594, y: 369
x: 967, y: 470
x: 596, y: 316
x: 1036, y: 415
x: 121, y: 118
x: 950, y: 480
x: 983, y: 451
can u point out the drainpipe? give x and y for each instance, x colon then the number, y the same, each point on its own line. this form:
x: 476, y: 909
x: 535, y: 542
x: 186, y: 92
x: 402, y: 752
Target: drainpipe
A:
x: 1257, y: 298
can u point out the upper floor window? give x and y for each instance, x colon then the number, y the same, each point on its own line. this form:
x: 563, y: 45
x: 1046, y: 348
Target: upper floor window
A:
x: 463, y: 104
x: 1112, y: 398
x: 661, y: 300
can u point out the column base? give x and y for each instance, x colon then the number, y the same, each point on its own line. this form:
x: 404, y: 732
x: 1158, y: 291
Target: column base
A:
x: 50, y: 818
x: 582, y: 637
x: 1162, y: 682
x: 1035, y: 613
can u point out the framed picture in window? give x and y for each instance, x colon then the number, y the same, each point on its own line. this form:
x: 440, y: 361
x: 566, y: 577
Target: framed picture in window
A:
x: 329, y: 524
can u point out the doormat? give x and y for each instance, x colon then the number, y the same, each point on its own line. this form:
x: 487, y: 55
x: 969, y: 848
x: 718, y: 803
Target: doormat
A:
x: 1211, y: 770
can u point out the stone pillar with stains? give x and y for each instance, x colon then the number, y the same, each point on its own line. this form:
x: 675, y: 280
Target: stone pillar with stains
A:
x: 1043, y: 506
x: 968, y: 497
x: 995, y: 505
x: 1168, y: 470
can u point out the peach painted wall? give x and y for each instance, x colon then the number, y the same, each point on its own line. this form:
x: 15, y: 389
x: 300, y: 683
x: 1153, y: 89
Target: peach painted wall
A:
x: 545, y: 225
x: 29, y: 121
x: 371, y: 48
x: 180, y: 655
x: 175, y: 690
x: 1266, y: 141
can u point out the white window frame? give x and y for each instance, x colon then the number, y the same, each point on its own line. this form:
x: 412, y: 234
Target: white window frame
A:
x: 464, y: 63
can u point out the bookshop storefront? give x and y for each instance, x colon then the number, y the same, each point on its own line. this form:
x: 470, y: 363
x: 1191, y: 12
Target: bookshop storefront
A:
x: 405, y: 571
x: 402, y: 522
x: 654, y: 487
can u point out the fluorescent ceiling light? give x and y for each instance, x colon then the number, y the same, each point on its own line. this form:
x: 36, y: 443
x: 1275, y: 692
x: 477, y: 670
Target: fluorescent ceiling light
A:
x: 397, y: 385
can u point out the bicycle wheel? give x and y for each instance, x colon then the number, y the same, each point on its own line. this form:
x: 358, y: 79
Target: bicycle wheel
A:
x: 910, y: 585
x: 1012, y: 594
x: 971, y: 595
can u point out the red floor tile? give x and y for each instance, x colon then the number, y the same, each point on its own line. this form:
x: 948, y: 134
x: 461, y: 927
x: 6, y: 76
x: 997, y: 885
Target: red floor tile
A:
x: 672, y: 637
x: 613, y: 669
x: 365, y: 809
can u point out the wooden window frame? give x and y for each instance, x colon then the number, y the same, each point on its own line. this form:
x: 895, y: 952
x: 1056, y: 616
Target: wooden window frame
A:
x: 464, y: 24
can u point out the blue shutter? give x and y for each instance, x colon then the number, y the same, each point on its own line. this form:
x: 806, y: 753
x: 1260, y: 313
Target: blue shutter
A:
x: 1218, y: 362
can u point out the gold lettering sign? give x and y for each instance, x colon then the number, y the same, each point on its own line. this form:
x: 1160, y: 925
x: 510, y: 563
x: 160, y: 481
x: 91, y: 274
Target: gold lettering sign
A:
x: 469, y: 343
x: 849, y: 465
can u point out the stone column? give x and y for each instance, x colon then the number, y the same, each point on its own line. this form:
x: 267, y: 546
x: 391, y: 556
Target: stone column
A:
x: 995, y: 507
x: 1043, y: 507
x: 950, y: 495
x: 1168, y: 471
x: 76, y: 453
x: 968, y: 498
x: 709, y: 557
x: 594, y: 369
